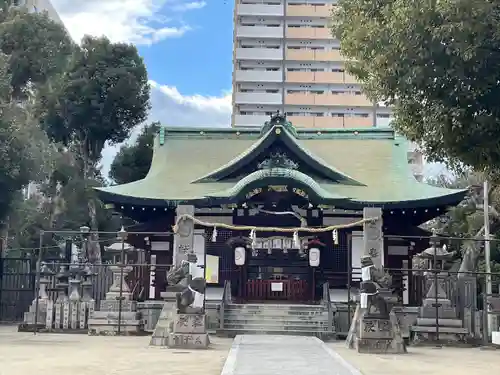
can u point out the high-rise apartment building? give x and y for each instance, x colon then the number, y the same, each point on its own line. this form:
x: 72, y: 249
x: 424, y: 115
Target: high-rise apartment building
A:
x: 40, y: 6
x: 285, y: 59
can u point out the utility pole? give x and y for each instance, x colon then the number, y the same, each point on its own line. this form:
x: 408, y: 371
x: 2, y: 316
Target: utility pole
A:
x: 487, y: 250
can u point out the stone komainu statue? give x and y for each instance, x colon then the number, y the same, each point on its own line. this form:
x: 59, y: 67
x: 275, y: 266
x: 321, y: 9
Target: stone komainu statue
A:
x: 179, y: 278
x: 373, y: 280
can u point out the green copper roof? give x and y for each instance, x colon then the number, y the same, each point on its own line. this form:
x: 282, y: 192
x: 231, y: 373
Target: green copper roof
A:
x: 370, y: 166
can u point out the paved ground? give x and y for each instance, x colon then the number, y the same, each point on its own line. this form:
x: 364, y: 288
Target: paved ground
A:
x: 55, y: 354
x: 428, y: 361
x: 25, y: 354
x: 283, y: 355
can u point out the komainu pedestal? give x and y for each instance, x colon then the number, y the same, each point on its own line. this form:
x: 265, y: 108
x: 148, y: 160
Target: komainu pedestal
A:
x: 375, y: 334
x: 189, y: 332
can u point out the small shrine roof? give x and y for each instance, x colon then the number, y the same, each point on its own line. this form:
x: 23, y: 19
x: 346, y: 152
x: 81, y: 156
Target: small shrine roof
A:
x: 349, y: 168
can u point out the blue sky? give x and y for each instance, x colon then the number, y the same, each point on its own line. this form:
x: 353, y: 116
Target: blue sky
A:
x: 199, y: 62
x: 187, y: 47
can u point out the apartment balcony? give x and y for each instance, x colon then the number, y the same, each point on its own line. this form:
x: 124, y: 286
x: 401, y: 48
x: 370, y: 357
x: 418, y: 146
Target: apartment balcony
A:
x: 314, y: 77
x: 322, y: 11
x: 322, y: 33
x: 327, y: 122
x: 338, y: 100
x: 358, y: 122
x: 333, y: 55
x: 348, y: 78
x: 260, y: 10
x: 259, y: 32
x: 260, y: 98
x: 259, y: 54
x: 312, y: 55
x: 258, y: 76
x: 250, y: 120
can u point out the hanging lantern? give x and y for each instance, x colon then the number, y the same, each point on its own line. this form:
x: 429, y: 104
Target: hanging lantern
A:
x: 239, y: 255
x: 314, y: 256
x: 214, y: 235
x: 335, y: 236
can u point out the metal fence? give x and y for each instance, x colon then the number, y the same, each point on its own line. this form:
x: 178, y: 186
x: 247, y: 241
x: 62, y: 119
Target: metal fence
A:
x: 18, y: 283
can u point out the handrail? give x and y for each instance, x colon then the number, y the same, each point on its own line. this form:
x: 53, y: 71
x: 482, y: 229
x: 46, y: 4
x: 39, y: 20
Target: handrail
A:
x: 326, y: 300
x: 226, y: 299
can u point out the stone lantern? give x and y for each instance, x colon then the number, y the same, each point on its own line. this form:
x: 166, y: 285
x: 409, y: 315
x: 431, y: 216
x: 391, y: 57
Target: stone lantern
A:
x: 120, y: 268
x: 437, y: 320
x: 118, y: 312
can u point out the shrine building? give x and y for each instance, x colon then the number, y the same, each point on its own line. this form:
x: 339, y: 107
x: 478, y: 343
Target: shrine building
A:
x: 230, y: 181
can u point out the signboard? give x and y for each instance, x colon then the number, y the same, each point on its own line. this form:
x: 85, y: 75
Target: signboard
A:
x: 276, y: 287
x: 212, y: 269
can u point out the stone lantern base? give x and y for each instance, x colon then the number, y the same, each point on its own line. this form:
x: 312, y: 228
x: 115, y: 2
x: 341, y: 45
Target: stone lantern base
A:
x: 106, y: 321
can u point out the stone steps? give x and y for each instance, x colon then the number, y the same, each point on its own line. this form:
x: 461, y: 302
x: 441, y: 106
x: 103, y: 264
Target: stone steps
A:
x: 309, y: 320
x: 431, y: 322
x: 232, y: 332
x: 430, y: 329
x: 286, y: 326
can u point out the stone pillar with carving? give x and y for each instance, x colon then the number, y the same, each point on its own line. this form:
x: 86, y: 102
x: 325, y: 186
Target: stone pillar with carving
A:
x: 184, y: 238
x: 173, y: 329
x: 374, y: 328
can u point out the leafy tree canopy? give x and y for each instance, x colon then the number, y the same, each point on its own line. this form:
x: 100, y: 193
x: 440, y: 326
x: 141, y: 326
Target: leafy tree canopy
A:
x: 37, y: 46
x: 101, y: 97
x: 438, y: 64
x: 133, y: 161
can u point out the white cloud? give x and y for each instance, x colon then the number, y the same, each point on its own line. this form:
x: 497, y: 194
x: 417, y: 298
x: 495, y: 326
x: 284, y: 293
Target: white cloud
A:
x: 134, y: 21
x: 183, y: 7
x: 145, y: 22
x: 171, y: 108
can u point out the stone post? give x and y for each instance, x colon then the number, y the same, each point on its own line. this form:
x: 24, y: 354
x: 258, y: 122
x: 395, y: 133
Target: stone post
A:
x: 182, y: 330
x: 373, y: 236
x: 375, y: 331
x: 184, y: 238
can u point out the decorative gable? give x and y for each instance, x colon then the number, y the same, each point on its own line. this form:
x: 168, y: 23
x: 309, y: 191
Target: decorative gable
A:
x: 277, y: 145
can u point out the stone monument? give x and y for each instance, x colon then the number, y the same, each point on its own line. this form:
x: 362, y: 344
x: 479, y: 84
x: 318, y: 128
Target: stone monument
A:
x: 181, y: 325
x: 437, y: 321
x: 41, y: 307
x: 374, y: 328
x: 118, y: 312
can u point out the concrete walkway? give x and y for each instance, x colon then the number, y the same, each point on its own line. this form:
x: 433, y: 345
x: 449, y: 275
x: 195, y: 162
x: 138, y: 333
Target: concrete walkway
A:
x: 284, y: 355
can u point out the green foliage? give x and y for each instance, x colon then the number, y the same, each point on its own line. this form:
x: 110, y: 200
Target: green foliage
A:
x: 101, y: 97
x: 437, y: 63
x: 133, y: 161
x: 38, y: 48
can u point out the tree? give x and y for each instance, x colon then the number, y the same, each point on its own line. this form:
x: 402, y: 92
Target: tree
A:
x: 99, y: 99
x: 466, y: 221
x: 438, y: 64
x: 133, y: 161
x: 38, y: 48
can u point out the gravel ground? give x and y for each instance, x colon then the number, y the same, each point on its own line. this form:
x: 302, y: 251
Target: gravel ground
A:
x: 65, y: 354
x: 428, y: 361
x: 56, y: 354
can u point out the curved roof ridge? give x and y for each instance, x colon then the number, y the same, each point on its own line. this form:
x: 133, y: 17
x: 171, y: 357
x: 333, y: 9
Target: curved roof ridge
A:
x: 279, y: 173
x: 264, y: 142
